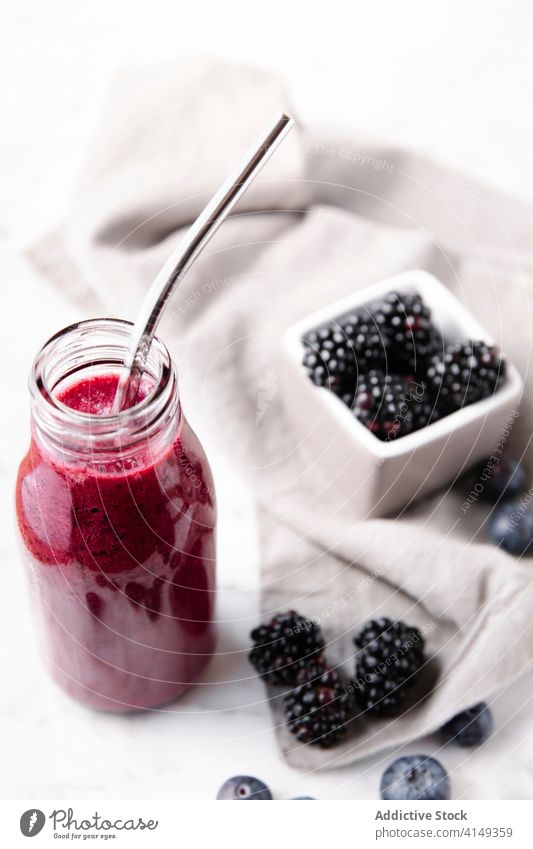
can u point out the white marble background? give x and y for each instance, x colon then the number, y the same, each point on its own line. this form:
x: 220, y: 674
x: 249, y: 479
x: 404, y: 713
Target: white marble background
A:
x: 450, y: 78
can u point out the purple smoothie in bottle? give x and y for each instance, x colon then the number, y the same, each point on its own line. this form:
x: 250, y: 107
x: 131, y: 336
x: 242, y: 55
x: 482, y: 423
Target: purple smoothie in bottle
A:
x: 117, y: 520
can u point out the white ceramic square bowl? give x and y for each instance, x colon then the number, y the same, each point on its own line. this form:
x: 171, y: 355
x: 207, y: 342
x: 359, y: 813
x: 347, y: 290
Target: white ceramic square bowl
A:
x: 376, y: 478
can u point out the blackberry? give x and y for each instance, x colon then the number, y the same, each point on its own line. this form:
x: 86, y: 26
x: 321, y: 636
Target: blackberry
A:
x: 384, y: 403
x: 411, y: 335
x: 389, y: 658
x: 415, y: 777
x: 505, y: 479
x: 511, y: 527
x: 328, y: 358
x: 336, y: 353
x: 424, y: 407
x: 283, y: 646
x: 470, y: 727
x: 466, y: 373
x: 244, y: 788
x: 365, y: 337
x: 319, y: 708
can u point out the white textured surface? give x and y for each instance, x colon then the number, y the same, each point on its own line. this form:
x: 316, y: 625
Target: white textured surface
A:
x: 449, y: 78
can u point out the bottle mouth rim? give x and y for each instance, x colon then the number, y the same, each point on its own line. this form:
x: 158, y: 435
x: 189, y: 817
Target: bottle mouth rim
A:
x: 97, y: 346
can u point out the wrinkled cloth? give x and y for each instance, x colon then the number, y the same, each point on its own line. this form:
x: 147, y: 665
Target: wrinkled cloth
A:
x: 326, y: 217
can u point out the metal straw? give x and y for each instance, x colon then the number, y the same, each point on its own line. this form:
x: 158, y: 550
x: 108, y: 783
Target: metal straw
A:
x: 179, y: 262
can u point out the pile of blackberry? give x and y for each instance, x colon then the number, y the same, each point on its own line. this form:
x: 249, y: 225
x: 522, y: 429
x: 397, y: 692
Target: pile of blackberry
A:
x: 389, y: 363
x: 320, y: 704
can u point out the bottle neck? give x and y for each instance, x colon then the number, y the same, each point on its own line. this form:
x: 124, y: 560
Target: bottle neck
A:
x: 88, y: 351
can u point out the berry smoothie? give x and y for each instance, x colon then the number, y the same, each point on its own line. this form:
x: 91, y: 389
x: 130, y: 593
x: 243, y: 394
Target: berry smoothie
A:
x: 121, y: 554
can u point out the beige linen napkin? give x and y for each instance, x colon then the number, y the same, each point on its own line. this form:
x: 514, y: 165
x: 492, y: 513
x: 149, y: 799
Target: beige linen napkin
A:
x: 326, y: 217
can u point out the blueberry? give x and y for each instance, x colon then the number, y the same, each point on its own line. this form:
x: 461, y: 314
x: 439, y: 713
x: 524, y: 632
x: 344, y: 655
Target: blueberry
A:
x: 506, y: 479
x: 470, y: 727
x: 415, y: 777
x: 244, y: 787
x: 511, y: 527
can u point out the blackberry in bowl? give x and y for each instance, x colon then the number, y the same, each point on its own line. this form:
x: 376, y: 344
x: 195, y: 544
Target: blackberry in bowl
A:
x: 407, y: 389
x: 373, y: 359
x: 408, y: 328
x: 465, y: 373
x: 384, y: 404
